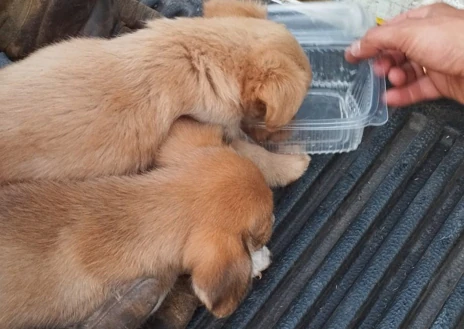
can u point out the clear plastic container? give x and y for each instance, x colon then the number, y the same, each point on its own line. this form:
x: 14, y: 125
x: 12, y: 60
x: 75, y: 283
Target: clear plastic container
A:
x: 344, y: 98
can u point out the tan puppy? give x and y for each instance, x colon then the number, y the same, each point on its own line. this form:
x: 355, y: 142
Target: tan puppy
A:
x: 185, y: 136
x: 91, y: 107
x: 65, y: 245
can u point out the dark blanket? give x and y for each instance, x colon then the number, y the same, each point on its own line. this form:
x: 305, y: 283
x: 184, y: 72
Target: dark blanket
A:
x: 26, y: 25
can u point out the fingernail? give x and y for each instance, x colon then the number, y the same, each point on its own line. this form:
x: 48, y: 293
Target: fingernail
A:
x: 355, y: 48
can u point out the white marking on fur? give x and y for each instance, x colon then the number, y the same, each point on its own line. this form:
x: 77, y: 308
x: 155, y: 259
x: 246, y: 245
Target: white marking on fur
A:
x: 261, y: 260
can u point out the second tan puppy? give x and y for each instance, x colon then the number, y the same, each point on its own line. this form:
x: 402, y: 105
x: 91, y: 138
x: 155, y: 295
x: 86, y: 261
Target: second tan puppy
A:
x: 185, y: 136
x: 91, y: 107
x: 65, y: 246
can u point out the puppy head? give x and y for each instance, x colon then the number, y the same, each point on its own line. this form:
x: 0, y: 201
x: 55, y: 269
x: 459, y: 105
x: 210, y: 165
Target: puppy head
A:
x: 279, y: 74
x: 268, y: 99
x: 221, y: 271
x: 236, y: 220
x: 231, y: 8
x: 277, y: 78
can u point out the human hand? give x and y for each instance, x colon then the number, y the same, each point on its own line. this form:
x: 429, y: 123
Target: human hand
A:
x: 421, y: 52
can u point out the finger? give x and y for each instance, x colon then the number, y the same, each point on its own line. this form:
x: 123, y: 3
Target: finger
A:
x: 419, y: 71
x: 420, y: 90
x: 411, y: 74
x: 354, y: 53
x: 405, y: 74
x: 374, y: 43
x: 386, y: 61
x: 392, y: 38
x: 397, y: 77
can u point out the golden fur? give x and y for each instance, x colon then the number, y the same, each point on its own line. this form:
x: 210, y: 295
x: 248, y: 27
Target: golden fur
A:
x: 65, y: 245
x: 90, y: 107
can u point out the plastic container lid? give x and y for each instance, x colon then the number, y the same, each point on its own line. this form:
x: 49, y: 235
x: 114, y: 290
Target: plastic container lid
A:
x: 344, y: 98
x: 323, y: 22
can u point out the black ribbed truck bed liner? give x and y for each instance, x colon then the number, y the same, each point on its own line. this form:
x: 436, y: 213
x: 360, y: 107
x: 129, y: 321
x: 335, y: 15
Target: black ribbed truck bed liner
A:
x: 371, y: 238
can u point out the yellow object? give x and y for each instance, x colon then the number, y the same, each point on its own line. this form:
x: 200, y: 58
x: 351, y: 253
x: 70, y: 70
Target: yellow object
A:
x: 379, y: 20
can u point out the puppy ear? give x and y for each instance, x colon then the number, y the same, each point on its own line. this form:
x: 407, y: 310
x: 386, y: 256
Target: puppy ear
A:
x: 281, y: 88
x: 221, y: 271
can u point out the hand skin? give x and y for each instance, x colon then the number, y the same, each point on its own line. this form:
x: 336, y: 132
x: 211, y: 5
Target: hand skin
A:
x: 421, y: 52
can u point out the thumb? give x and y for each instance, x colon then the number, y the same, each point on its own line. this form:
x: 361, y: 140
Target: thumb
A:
x: 377, y: 39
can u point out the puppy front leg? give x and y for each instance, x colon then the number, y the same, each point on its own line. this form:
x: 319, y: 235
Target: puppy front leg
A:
x: 278, y: 169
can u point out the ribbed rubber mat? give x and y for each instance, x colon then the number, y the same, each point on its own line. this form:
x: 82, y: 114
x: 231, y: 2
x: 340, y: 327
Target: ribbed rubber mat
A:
x: 371, y: 238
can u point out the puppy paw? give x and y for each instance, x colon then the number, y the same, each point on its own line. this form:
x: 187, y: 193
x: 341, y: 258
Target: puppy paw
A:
x: 261, y: 260
x: 286, y: 169
x: 297, y: 166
